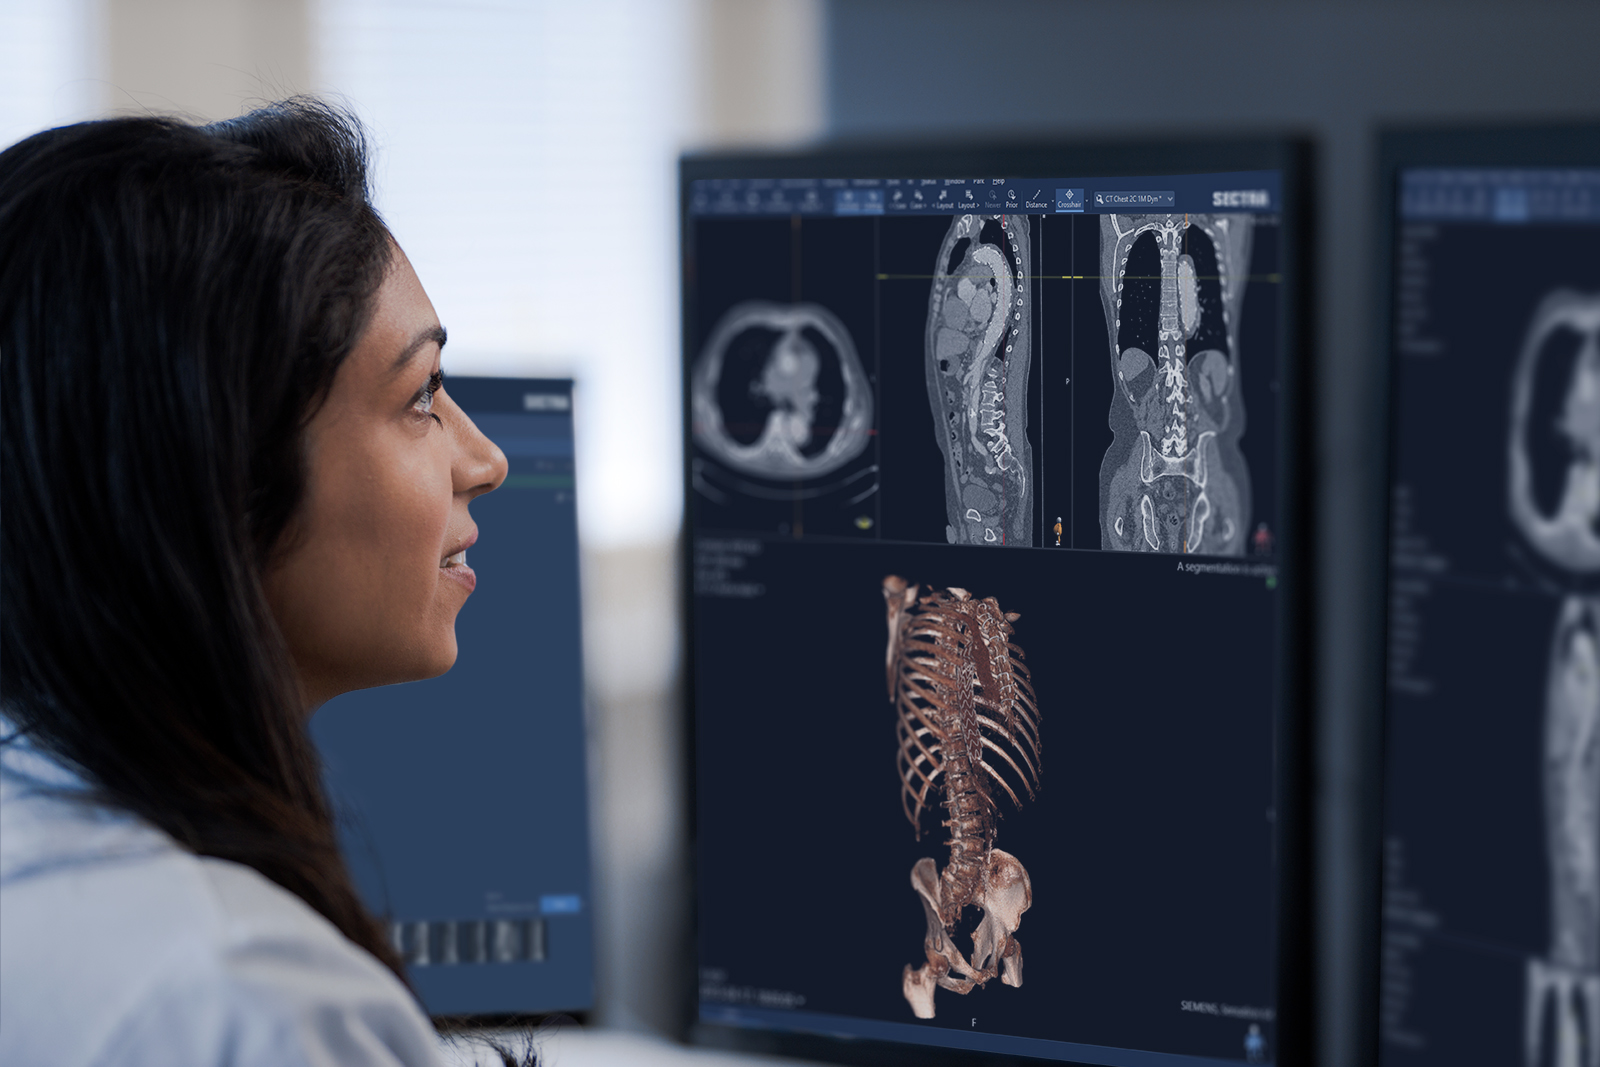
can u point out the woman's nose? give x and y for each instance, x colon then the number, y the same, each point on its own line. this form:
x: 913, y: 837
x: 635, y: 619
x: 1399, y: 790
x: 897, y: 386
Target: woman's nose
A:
x: 480, y: 465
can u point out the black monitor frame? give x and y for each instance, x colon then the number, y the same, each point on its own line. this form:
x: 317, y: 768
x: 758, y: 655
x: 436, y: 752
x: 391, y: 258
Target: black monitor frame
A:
x: 974, y: 158
x: 1400, y: 148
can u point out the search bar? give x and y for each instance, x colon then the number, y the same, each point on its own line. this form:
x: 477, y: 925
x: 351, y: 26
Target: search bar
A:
x: 1136, y: 198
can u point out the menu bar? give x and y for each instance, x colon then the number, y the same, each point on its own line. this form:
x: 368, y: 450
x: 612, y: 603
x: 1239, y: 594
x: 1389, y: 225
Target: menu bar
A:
x: 1244, y: 191
x: 1502, y: 195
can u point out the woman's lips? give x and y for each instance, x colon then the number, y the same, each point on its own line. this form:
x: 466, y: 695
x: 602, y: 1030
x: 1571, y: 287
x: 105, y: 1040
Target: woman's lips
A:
x: 462, y: 573
x: 455, y: 566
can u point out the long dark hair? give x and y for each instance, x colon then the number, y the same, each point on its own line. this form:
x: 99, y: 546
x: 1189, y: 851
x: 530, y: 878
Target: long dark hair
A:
x: 174, y: 303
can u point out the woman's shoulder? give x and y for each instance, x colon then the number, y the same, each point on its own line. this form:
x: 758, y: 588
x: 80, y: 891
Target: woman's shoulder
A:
x: 119, y: 946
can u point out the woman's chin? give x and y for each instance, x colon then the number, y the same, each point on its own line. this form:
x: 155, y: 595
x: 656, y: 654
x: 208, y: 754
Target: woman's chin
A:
x: 425, y: 663
x: 439, y: 661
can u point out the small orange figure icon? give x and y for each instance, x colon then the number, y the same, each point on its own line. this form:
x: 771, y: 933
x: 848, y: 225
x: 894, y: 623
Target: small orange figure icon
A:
x: 1058, y: 531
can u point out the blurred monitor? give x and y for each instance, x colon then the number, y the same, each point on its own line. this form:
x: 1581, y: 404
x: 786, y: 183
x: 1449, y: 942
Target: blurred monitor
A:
x: 462, y: 800
x: 1490, y: 822
x: 994, y: 483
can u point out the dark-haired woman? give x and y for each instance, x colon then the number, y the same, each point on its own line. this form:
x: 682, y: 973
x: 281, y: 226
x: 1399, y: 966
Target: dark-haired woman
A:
x: 232, y: 486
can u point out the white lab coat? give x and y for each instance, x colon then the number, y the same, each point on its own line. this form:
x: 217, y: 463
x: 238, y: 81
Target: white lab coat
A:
x: 118, y: 947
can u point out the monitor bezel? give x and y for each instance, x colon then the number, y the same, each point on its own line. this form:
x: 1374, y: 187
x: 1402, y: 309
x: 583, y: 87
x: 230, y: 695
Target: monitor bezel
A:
x: 1400, y: 148
x: 974, y: 158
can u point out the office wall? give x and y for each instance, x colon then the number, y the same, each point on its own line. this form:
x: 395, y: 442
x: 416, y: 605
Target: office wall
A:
x: 759, y: 72
x: 209, y: 59
x: 1334, y: 69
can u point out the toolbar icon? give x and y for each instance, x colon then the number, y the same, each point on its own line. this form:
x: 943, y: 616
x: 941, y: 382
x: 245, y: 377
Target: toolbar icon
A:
x: 1069, y: 200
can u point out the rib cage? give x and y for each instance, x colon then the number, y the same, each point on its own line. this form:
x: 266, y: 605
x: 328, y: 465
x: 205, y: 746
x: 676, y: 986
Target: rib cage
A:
x: 966, y: 708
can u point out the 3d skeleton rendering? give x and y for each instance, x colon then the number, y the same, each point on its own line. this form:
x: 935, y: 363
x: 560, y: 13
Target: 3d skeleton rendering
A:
x: 968, y: 729
x: 1554, y: 500
x: 1174, y: 479
x: 978, y: 350
x: 778, y: 392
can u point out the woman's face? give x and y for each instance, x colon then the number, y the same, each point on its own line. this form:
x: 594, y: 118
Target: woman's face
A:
x: 375, y: 569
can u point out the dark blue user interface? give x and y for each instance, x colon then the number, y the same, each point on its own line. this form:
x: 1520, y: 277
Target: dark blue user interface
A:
x: 462, y: 800
x: 1491, y: 821
x: 984, y: 498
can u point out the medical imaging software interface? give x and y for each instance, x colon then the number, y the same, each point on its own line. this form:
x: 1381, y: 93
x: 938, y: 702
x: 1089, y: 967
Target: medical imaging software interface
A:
x: 1491, y: 933
x: 461, y: 801
x: 983, y: 508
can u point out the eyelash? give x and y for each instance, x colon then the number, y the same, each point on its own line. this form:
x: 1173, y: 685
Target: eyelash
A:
x: 424, y: 400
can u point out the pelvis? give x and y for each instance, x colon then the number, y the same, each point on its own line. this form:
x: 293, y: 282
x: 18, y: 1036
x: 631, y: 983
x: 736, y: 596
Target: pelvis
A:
x: 1161, y: 503
x: 1191, y: 465
x: 1006, y: 892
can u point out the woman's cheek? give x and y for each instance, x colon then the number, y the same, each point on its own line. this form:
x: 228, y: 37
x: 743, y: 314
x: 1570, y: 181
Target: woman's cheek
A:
x: 424, y: 500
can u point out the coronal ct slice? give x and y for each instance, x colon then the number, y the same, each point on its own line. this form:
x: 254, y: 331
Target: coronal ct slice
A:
x: 1553, y: 497
x: 968, y: 728
x: 1174, y: 479
x: 778, y: 392
x: 1555, y: 432
x: 1563, y: 987
x: 978, y: 350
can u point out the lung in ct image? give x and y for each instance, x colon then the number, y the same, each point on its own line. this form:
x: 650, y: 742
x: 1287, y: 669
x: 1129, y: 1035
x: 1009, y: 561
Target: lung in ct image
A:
x: 781, y: 403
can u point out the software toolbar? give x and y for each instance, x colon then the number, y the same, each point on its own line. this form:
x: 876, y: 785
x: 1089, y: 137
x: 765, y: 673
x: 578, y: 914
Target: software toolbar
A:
x: 1246, y: 191
x: 1484, y: 194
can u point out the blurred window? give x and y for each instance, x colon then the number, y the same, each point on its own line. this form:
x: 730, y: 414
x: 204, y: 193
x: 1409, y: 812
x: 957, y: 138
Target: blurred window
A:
x: 49, y: 60
x: 526, y: 162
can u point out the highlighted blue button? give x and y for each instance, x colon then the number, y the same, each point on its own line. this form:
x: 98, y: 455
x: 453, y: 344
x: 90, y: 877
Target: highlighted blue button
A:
x: 561, y: 904
x: 858, y: 202
x: 1511, y: 205
x: 1069, y: 200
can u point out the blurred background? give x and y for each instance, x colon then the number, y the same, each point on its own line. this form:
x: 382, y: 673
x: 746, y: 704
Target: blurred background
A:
x: 481, y: 110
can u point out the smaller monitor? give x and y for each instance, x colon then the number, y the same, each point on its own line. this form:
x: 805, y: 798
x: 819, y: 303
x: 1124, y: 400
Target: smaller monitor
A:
x: 1489, y: 935
x: 462, y: 801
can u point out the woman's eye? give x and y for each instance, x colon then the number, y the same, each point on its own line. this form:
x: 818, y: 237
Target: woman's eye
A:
x: 423, y: 404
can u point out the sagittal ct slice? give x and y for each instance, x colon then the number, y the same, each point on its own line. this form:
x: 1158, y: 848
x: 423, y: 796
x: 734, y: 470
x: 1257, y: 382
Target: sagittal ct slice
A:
x: 779, y: 393
x: 978, y: 347
x: 1174, y: 479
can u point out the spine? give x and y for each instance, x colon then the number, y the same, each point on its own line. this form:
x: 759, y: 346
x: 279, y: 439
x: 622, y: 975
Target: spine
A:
x: 966, y: 802
x: 1169, y: 292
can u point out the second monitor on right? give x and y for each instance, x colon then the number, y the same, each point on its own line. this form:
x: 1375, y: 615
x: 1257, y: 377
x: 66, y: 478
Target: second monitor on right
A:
x: 1491, y: 811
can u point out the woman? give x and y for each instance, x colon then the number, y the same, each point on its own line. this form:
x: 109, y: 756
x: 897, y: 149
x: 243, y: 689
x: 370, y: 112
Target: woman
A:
x: 232, y: 487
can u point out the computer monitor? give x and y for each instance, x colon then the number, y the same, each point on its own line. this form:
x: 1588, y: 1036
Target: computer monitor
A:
x: 1489, y: 936
x: 996, y: 561
x: 462, y: 801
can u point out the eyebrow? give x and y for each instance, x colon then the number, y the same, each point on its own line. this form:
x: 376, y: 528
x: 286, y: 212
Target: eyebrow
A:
x: 436, y: 334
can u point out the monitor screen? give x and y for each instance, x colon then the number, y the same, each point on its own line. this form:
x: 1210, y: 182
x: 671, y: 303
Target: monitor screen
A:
x: 462, y: 800
x: 1490, y: 926
x: 986, y: 484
